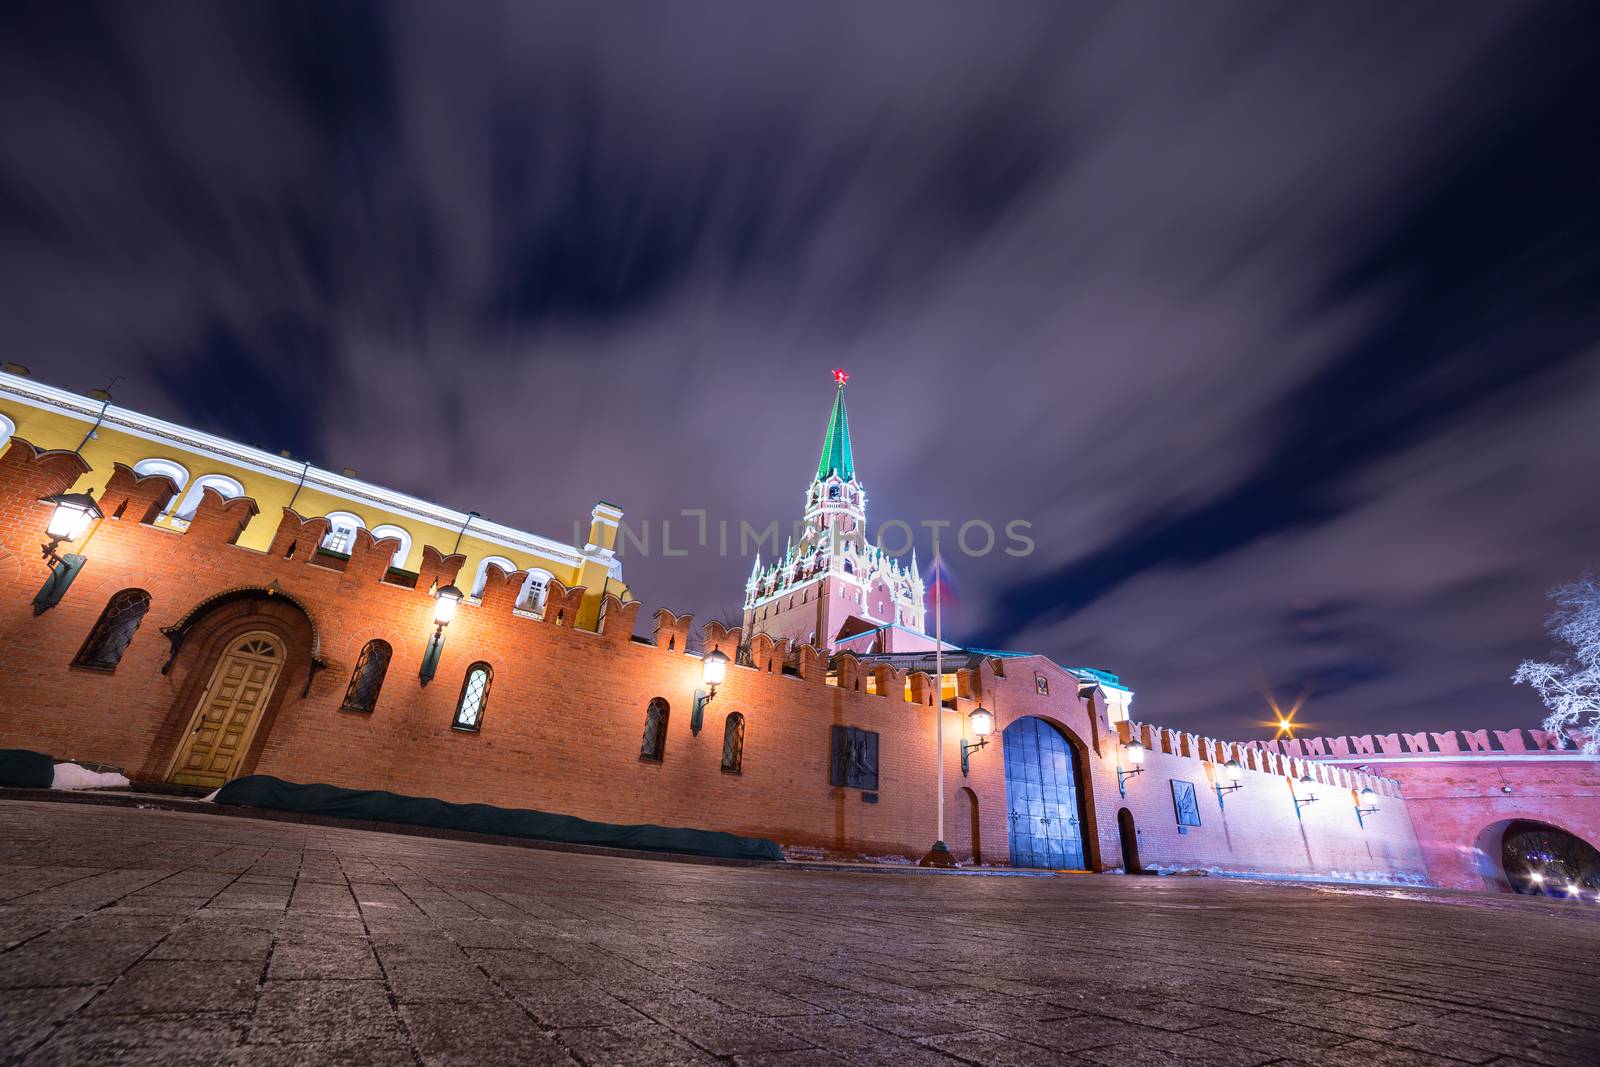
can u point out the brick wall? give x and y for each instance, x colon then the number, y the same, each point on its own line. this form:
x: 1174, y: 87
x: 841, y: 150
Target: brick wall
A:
x: 563, y: 723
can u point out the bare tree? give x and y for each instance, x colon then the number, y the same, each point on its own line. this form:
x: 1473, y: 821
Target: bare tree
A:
x: 1571, y: 688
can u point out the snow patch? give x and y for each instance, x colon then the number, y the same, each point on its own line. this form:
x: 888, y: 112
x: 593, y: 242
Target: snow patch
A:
x: 72, y: 776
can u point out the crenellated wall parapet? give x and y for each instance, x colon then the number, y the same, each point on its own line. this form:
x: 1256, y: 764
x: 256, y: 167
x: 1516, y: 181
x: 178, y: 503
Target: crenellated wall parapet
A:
x: 1252, y: 756
x: 1488, y: 743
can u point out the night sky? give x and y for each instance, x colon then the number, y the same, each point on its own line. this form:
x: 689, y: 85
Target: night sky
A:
x: 1278, y: 322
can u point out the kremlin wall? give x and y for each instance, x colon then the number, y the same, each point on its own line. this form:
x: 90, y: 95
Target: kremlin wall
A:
x: 239, y: 642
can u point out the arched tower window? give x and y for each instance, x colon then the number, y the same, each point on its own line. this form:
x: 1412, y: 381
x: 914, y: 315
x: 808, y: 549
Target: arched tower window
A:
x: 474, y: 697
x: 111, y: 634
x: 391, y: 530
x: 534, y: 590
x: 654, y: 746
x: 220, y: 482
x: 367, y: 679
x: 342, y: 527
x: 482, y: 577
x: 733, y: 744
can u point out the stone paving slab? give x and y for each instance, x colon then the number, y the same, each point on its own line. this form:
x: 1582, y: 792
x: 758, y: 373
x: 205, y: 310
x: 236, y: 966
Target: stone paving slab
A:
x: 140, y: 936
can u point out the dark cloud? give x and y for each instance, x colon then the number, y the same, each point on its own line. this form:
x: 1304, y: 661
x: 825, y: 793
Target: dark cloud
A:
x: 1276, y: 322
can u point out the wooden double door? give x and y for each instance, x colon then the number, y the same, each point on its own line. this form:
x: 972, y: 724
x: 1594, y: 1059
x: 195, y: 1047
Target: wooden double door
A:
x: 229, y: 711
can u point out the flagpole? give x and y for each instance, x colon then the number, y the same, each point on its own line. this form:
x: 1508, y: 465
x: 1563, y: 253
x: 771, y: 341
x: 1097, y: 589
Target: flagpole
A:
x: 938, y: 670
x: 939, y: 855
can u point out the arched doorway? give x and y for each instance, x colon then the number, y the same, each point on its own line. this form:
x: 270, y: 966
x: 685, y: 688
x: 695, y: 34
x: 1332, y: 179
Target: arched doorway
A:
x: 1544, y: 860
x: 1043, y: 796
x: 229, y: 710
x: 964, y: 833
x: 1130, y: 842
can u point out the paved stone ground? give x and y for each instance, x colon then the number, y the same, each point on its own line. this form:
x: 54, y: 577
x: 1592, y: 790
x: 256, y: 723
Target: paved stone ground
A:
x: 154, y: 937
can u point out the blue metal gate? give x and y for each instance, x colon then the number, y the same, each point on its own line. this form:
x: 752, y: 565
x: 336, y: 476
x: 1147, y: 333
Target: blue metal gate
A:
x: 1042, y: 794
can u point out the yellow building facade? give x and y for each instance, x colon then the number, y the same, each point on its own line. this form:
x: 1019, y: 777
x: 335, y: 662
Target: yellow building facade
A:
x: 107, y: 434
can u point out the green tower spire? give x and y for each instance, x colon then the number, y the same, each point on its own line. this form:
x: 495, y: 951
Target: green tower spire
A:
x: 836, y: 454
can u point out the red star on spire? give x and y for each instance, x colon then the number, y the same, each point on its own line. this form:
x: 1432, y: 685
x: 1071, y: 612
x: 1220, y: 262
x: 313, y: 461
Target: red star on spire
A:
x: 840, y: 376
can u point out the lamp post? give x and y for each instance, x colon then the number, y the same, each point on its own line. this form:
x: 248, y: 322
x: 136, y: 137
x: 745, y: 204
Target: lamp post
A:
x: 1233, y: 772
x: 1300, y: 802
x: 70, y: 517
x: 1366, y: 804
x: 713, y: 669
x: 1134, y: 750
x: 445, y: 602
x: 982, y: 722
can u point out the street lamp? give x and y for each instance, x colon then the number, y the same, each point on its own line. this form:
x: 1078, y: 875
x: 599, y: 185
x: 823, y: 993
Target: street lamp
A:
x: 1299, y: 802
x: 1135, y: 751
x: 982, y: 722
x: 445, y: 602
x: 1366, y: 804
x: 713, y: 669
x: 1233, y: 772
x: 70, y: 516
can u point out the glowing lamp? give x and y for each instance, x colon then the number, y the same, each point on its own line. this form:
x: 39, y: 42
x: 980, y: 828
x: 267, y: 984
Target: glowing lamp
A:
x: 1134, y: 750
x: 445, y: 602
x: 1535, y: 876
x: 714, y: 668
x: 1233, y: 771
x: 1369, y: 797
x: 72, y: 515
x: 1306, y: 779
x: 982, y: 722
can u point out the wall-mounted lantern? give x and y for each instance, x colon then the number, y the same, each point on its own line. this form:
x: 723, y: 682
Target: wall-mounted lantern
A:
x: 445, y: 602
x: 1232, y: 772
x: 1134, y: 750
x: 1366, y: 804
x: 1309, y: 783
x: 713, y: 669
x: 982, y: 723
x: 70, y: 516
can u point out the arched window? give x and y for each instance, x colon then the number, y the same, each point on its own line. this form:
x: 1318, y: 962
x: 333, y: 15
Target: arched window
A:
x: 111, y: 634
x: 654, y: 746
x: 367, y: 679
x: 534, y: 590
x: 733, y: 744
x: 7, y: 428
x: 474, y: 697
x: 171, y: 468
x: 220, y: 482
x: 482, y: 577
x: 342, y: 527
x: 390, y: 530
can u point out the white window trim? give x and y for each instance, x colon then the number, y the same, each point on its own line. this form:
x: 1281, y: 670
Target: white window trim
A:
x: 481, y: 579
x: 389, y: 529
x: 228, y: 487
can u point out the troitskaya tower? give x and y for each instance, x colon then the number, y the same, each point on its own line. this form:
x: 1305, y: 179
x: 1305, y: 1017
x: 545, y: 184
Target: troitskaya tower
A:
x: 834, y: 583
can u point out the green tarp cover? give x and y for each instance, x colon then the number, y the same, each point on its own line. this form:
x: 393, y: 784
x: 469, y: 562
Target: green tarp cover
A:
x: 21, y: 769
x: 265, y: 791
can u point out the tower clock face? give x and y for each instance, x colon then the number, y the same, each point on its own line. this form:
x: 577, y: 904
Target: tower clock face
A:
x: 880, y: 605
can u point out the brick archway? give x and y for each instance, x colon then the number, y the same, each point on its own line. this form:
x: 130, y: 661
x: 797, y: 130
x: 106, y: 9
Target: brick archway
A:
x: 199, y: 641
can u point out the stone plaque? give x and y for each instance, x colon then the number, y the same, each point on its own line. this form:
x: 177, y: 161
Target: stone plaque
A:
x: 855, y: 758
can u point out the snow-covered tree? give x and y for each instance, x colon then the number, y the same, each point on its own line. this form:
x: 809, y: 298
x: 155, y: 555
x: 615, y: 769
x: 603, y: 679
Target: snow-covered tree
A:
x: 1571, y: 688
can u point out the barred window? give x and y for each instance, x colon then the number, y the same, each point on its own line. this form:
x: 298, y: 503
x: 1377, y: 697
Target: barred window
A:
x: 654, y: 746
x: 111, y: 634
x: 474, y: 697
x: 733, y: 744
x: 367, y: 679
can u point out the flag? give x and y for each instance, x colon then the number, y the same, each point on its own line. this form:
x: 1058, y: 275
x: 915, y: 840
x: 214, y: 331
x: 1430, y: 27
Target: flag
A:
x: 941, y: 583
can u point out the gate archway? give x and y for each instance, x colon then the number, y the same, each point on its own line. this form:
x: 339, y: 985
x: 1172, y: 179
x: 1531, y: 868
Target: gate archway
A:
x: 1544, y: 860
x: 1044, y: 797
